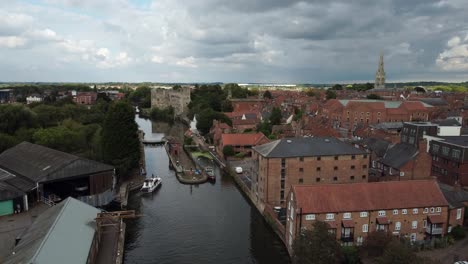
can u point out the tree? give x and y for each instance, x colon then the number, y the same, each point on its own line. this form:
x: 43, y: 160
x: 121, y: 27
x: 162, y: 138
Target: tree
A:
x: 337, y: 87
x: 205, y: 119
x: 330, y: 94
x: 375, y: 243
x: 265, y: 127
x: 228, y: 151
x: 316, y: 246
x: 310, y: 92
x: 7, y: 141
x: 374, y: 96
x: 397, y: 252
x: 120, y: 143
x: 267, y: 94
x: 275, y: 117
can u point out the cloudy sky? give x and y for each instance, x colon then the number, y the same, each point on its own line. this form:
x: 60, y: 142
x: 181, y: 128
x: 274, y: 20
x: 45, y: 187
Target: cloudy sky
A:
x: 232, y: 40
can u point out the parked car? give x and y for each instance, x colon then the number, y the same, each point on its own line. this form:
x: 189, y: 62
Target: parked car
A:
x: 239, y: 170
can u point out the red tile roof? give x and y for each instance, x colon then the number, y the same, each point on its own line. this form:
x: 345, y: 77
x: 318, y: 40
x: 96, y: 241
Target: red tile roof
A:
x: 436, y: 219
x: 357, y: 197
x: 347, y: 223
x: 243, y: 139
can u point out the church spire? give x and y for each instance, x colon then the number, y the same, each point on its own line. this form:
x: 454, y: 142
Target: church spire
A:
x: 380, y: 74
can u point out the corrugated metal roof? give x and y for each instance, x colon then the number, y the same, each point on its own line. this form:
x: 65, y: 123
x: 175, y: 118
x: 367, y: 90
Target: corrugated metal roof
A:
x: 307, y: 147
x: 41, y: 164
x: 62, y: 234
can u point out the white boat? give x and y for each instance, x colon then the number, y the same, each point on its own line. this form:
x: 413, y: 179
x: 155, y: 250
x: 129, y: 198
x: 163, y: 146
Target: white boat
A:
x: 150, y: 184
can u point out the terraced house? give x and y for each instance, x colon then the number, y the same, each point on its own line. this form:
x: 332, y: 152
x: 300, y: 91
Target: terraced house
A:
x: 415, y: 209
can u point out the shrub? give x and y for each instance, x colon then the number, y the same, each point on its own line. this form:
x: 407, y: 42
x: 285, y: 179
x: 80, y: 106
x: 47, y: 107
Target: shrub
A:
x: 228, y: 151
x: 458, y: 232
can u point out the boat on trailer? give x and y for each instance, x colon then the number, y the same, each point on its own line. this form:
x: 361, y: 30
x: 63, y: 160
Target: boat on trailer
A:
x: 150, y: 184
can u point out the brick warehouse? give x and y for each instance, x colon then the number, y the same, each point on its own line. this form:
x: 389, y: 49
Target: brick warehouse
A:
x: 417, y: 210
x: 309, y: 160
x: 351, y: 113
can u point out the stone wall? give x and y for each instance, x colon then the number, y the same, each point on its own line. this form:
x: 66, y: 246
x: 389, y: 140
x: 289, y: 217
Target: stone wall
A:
x: 179, y: 99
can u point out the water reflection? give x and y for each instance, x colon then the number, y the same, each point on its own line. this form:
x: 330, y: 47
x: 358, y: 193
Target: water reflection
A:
x: 195, y: 223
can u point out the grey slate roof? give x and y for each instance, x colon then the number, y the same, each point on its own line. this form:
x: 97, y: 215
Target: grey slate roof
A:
x: 454, y: 198
x: 62, y: 234
x: 307, y: 147
x: 388, y: 125
x: 456, y: 140
x: 376, y: 145
x: 12, y: 186
x: 434, y: 101
x: 42, y: 164
x: 388, y: 104
x: 447, y: 122
x: 399, y: 154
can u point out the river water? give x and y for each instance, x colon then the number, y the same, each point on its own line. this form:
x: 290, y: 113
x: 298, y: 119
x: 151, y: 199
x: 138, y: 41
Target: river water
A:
x: 207, y: 223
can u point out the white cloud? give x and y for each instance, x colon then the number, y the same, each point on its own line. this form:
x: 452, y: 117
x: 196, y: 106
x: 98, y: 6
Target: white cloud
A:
x: 12, y: 42
x: 187, y: 62
x: 455, y: 57
x: 44, y: 34
x: 157, y: 59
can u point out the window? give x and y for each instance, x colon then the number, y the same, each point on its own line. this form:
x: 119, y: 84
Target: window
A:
x: 282, y: 194
x: 424, y: 223
x: 347, y: 216
x: 445, y: 150
x: 365, y: 228
x: 301, y: 159
x: 438, y: 209
x: 415, y: 211
x: 317, y: 179
x: 353, y: 157
x: 382, y: 213
x: 365, y: 156
x: 426, y: 210
x: 352, y: 178
x: 402, y: 174
x: 413, y: 237
x: 363, y: 214
x: 364, y: 166
x: 395, y: 211
x: 432, y: 210
x: 330, y: 216
x: 459, y: 212
x: 336, y: 157
x: 335, y: 178
x: 352, y: 167
x: 378, y: 113
x: 335, y: 168
x: 301, y: 180
x: 414, y: 224
x: 455, y: 153
x: 301, y: 169
x: 318, y: 168
x: 449, y: 229
x: 397, y: 226
x: 435, y: 148
x: 359, y: 240
x: 363, y: 177
x: 309, y: 217
x: 404, y: 211
x: 318, y: 158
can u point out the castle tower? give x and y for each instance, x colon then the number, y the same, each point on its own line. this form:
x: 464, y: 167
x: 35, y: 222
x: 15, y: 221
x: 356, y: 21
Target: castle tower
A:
x: 380, y: 74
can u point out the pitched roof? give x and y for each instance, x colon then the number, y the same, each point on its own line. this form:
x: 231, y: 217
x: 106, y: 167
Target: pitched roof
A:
x: 307, y: 147
x: 62, y: 232
x: 40, y: 164
x: 242, y: 139
x: 399, y: 154
x: 447, y: 122
x: 329, y: 198
x: 434, y: 101
x: 389, y: 104
x: 455, y: 198
x: 376, y: 145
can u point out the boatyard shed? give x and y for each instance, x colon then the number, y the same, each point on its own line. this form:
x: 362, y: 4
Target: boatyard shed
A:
x: 30, y: 172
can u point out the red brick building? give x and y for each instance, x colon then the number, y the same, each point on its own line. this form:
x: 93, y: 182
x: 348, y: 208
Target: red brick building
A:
x: 351, y: 113
x: 414, y: 209
x: 86, y: 98
x: 242, y: 143
x: 450, y: 159
x: 310, y: 160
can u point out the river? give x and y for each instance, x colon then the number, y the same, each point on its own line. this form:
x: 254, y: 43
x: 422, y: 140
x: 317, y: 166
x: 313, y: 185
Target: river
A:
x: 207, y: 223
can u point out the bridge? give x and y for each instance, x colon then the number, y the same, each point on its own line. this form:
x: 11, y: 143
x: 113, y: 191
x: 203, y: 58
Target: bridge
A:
x: 158, y: 142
